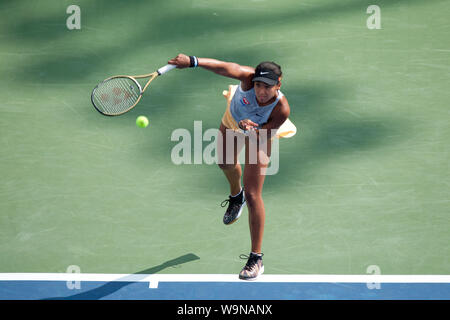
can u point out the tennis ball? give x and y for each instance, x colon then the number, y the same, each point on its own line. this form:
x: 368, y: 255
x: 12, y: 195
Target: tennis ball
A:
x: 142, y: 121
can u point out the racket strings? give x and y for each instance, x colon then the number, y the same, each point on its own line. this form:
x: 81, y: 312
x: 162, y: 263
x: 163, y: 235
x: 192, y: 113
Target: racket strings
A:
x: 115, y: 96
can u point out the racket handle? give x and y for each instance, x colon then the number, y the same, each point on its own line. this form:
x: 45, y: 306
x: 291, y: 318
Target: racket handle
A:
x: 166, y: 68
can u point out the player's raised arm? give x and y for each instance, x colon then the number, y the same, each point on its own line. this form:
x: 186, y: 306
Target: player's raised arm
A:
x: 226, y: 69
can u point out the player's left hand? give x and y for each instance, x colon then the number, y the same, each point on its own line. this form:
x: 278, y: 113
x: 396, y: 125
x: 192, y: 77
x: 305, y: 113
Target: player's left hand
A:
x: 247, y: 125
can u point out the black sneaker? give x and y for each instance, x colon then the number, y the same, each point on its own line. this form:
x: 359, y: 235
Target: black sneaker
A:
x: 235, y: 206
x: 253, y: 268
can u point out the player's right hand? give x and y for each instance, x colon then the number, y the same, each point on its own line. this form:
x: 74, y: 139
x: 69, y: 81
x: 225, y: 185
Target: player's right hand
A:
x: 181, y: 61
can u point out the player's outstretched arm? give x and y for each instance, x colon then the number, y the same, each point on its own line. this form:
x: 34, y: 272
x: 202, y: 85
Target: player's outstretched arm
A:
x: 226, y: 69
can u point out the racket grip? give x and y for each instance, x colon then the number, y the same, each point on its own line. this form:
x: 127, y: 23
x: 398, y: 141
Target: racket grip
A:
x: 166, y: 68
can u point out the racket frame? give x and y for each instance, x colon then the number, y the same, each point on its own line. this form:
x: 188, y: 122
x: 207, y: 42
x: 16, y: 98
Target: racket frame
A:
x: 152, y: 76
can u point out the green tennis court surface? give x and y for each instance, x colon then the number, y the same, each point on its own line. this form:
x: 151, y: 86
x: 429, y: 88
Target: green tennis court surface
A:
x: 365, y: 182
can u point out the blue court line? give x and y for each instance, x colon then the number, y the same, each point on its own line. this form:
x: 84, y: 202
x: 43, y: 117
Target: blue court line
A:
x: 97, y: 290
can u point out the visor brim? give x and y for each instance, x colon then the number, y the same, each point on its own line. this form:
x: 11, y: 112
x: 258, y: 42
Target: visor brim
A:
x: 266, y: 80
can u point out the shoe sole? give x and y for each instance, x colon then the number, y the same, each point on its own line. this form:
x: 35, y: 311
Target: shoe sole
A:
x: 239, y: 214
x: 254, y: 278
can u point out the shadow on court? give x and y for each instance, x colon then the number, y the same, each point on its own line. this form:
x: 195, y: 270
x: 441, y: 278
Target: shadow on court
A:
x: 113, y: 286
x: 161, y: 30
x: 101, y: 47
x: 324, y: 133
x: 64, y: 60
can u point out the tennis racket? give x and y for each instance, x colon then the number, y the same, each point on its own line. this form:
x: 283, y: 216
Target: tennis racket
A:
x: 119, y: 94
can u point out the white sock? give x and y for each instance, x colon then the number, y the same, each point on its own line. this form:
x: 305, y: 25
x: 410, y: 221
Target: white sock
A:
x: 258, y: 254
x: 237, y: 194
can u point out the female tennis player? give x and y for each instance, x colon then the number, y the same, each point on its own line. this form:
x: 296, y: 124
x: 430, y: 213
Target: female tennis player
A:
x: 258, y: 107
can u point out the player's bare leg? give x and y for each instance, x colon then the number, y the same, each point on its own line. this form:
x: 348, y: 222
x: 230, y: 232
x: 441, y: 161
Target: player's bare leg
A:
x: 254, y: 176
x: 233, y: 172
